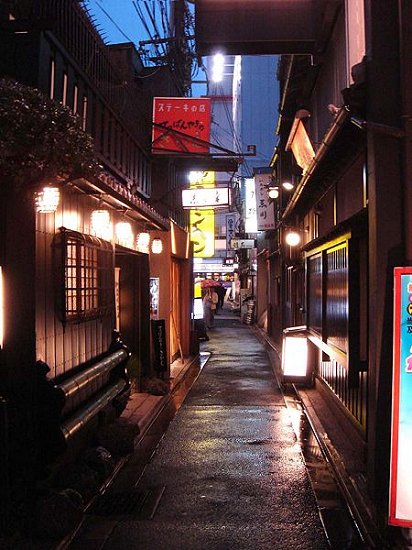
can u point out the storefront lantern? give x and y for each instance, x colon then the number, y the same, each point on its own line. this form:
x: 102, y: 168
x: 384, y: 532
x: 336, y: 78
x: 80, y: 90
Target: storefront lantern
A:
x: 157, y: 246
x: 124, y: 234
x: 47, y: 200
x: 143, y: 242
x: 101, y: 225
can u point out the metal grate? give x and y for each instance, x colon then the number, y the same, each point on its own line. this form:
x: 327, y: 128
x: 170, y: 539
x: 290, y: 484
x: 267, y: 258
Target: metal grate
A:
x: 141, y: 504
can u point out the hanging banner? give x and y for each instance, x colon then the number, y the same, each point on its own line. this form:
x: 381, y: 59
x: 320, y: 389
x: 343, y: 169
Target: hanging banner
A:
x: 400, y: 491
x: 264, y: 209
x: 174, y: 118
x: 202, y: 233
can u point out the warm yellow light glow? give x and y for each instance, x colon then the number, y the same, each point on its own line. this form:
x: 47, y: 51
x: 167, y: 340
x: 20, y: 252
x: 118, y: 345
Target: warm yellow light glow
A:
x: 1, y: 308
x: 101, y: 225
x: 157, y: 246
x: 287, y: 186
x: 47, y: 200
x: 294, y: 356
x: 273, y: 193
x: 292, y: 238
x: 124, y: 234
x: 143, y: 242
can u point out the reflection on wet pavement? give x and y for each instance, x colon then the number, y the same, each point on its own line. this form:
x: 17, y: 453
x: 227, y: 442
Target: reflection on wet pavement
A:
x: 337, y: 520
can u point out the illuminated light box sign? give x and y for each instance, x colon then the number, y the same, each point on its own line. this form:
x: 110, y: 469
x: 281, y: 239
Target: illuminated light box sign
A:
x: 181, y: 124
x: 400, y: 493
x: 202, y: 233
x: 215, y: 197
x: 296, y: 357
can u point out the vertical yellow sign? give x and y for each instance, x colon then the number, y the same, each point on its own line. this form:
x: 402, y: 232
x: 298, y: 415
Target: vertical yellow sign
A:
x: 202, y: 233
x: 202, y: 222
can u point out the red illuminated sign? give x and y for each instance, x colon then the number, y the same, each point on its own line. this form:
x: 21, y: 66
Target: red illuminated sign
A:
x: 181, y: 124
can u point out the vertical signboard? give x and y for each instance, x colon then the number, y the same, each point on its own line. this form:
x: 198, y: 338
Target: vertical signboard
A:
x: 159, y: 345
x: 264, y: 208
x: 174, y: 118
x: 230, y: 229
x: 202, y: 222
x: 202, y: 233
x: 250, y: 206
x: 400, y: 494
x: 154, y: 297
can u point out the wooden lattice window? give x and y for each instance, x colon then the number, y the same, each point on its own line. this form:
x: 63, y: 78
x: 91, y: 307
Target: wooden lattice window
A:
x: 85, y: 267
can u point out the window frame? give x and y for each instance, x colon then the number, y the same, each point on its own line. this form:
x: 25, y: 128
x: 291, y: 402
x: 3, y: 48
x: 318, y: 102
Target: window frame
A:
x: 84, y: 267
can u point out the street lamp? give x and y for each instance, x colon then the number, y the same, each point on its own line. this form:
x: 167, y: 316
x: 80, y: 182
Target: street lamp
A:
x: 292, y: 238
x: 273, y: 192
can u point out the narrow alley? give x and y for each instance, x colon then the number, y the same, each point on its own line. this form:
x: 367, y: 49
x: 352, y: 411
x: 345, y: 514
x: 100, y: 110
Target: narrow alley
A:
x: 228, y: 473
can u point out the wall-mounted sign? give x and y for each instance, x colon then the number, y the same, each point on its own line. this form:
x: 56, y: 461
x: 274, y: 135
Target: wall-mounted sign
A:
x: 229, y: 261
x: 264, y: 208
x: 400, y: 493
x: 174, y: 118
x: 202, y: 233
x: 235, y: 244
x: 214, y: 197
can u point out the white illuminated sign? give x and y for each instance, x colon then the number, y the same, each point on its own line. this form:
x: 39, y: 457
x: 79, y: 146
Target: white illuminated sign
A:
x: 294, y: 356
x: 198, y: 198
x: 250, y: 206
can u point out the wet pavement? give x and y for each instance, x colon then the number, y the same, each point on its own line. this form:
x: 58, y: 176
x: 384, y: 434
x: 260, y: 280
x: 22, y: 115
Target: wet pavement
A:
x: 229, y: 471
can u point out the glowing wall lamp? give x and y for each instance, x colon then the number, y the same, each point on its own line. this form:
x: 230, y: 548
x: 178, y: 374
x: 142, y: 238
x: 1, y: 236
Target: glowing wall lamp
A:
x: 295, y: 355
x: 292, y: 238
x: 157, y: 246
x: 143, y: 242
x: 124, y: 234
x: 47, y: 200
x: 287, y: 186
x: 101, y: 225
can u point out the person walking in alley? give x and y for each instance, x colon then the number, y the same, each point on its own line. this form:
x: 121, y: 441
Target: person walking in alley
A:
x: 210, y: 300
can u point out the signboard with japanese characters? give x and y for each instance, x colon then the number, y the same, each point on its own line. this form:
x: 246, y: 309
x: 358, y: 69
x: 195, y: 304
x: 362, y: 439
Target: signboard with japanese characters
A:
x: 264, y: 208
x: 202, y: 233
x: 400, y: 491
x: 181, y: 124
x: 242, y: 243
x: 198, y: 198
x: 230, y: 229
x: 250, y: 206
